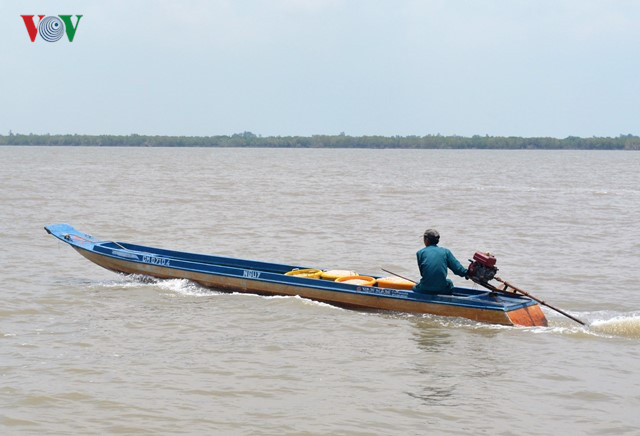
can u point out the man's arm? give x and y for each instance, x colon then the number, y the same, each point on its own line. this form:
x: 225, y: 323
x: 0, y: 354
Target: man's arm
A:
x: 454, y: 265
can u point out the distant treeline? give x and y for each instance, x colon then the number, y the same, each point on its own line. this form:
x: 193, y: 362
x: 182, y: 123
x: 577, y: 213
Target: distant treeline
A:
x: 248, y: 139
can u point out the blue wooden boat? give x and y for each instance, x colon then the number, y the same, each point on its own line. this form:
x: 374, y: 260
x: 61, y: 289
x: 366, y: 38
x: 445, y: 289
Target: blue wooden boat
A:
x: 249, y: 276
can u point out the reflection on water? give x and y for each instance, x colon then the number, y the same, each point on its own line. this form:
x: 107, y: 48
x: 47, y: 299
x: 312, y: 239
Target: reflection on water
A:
x: 440, y: 392
x: 469, y: 345
x: 430, y: 337
x: 437, y: 385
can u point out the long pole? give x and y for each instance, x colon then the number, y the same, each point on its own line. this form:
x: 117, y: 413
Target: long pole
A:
x: 398, y: 275
x: 516, y: 289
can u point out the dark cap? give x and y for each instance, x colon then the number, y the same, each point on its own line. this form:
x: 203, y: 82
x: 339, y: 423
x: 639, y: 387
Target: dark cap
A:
x: 432, y: 236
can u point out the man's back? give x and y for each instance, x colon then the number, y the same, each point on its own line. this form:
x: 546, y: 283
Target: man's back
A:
x: 433, y: 262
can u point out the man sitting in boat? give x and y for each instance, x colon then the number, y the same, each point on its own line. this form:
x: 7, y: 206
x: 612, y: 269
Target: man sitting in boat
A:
x: 433, y: 262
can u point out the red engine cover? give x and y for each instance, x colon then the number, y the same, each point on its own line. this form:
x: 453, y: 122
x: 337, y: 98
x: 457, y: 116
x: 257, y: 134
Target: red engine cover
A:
x: 485, y: 259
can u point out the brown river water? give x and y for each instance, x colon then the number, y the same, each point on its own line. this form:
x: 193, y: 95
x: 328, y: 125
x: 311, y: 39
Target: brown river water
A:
x: 86, y: 351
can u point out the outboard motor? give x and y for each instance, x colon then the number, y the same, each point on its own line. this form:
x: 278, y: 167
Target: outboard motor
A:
x: 482, y: 267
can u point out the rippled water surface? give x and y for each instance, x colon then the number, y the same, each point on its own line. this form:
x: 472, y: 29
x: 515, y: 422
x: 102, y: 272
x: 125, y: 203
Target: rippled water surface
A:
x: 85, y: 351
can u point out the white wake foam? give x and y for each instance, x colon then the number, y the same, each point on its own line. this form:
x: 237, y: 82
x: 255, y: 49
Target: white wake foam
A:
x: 184, y: 287
x: 622, y: 325
x: 598, y: 323
x: 177, y: 286
x: 304, y: 301
x: 602, y: 324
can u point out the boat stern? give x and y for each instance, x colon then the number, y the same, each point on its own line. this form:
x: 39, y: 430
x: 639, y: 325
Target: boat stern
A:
x: 528, y: 316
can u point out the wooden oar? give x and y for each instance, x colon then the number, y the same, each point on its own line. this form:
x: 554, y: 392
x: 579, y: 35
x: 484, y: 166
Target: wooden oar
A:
x: 516, y: 289
x: 398, y: 275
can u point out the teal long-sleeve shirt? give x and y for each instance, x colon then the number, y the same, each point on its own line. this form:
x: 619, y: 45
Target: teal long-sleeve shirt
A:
x: 433, y: 262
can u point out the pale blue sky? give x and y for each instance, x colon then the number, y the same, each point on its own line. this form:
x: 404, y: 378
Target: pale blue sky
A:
x: 304, y: 67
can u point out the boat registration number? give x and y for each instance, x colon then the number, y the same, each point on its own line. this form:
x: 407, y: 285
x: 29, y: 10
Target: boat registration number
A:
x: 250, y: 274
x: 153, y: 260
x: 383, y: 291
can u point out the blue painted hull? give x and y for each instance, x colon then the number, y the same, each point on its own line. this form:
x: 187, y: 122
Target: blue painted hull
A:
x: 241, y: 275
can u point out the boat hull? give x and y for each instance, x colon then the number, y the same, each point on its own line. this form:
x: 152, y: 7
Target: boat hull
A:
x: 237, y: 275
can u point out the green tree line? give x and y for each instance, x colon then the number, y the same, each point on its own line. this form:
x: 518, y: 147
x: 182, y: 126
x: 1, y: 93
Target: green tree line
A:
x: 248, y: 139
